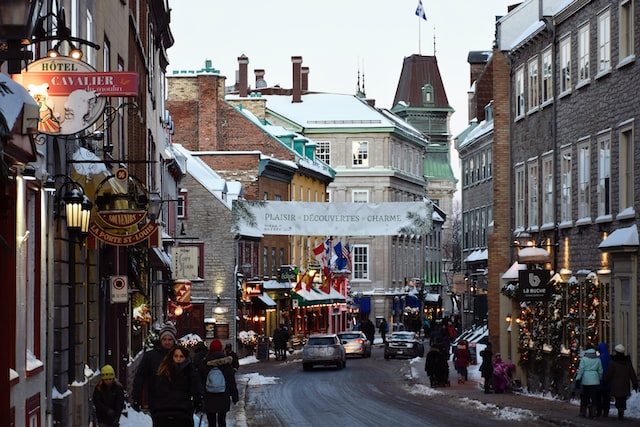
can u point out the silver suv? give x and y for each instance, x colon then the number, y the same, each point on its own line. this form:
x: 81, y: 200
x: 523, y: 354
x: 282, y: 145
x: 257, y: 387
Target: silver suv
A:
x: 323, y: 349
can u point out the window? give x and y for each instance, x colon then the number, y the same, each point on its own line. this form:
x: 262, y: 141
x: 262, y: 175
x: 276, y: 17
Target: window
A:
x: 626, y: 168
x: 604, y: 42
x: 360, y: 261
x: 360, y: 153
x: 547, y: 191
x: 360, y: 196
x: 181, y: 208
x: 547, y: 78
x: 565, y: 64
x: 427, y: 95
x: 519, y: 197
x: 583, y: 54
x: 519, y: 92
x: 532, y: 205
x: 534, y: 99
x: 565, y: 183
x: 265, y: 261
x: 626, y: 30
x: 604, y: 174
x: 323, y: 151
x: 584, y: 176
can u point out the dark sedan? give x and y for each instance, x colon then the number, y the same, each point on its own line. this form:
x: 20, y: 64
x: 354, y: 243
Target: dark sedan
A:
x: 403, y: 344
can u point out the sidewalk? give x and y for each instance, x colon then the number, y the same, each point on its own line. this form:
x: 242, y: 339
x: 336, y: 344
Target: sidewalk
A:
x: 551, y: 411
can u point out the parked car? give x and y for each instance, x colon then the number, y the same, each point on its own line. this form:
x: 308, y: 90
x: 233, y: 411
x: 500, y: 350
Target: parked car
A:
x: 355, y: 343
x: 403, y: 344
x: 323, y: 349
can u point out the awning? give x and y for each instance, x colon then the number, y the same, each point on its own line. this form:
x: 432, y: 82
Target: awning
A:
x: 317, y: 297
x: 160, y: 259
x: 267, y: 301
x: 621, y: 240
x: 432, y: 297
x: 511, y: 275
x: 21, y: 114
x: 533, y: 256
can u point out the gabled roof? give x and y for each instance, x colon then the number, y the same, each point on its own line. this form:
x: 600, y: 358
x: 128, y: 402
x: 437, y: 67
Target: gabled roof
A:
x: 202, y: 173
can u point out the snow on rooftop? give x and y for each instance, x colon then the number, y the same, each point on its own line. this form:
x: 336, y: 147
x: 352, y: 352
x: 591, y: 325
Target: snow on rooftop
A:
x: 627, y: 236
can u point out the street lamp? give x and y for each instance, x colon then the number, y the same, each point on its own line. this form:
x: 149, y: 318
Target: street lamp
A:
x: 507, y: 319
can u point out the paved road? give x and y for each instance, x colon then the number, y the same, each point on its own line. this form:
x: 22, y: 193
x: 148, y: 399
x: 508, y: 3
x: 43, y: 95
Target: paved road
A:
x: 548, y: 411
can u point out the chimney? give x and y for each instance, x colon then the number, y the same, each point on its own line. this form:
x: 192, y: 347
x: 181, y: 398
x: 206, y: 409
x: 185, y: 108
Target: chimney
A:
x: 297, y: 65
x: 243, y: 83
x: 260, y: 83
x: 305, y: 79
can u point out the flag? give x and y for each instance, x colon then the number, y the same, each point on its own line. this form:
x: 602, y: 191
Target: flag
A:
x: 341, y: 261
x: 308, y: 280
x: 346, y: 251
x: 320, y: 253
x: 326, y: 267
x: 326, y: 286
x: 420, y: 11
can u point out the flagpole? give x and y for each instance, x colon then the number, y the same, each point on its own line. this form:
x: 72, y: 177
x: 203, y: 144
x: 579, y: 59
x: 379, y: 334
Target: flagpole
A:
x: 419, y: 37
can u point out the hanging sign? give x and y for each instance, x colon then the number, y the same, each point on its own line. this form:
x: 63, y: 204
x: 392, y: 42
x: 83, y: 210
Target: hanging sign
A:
x: 534, y: 285
x: 119, y: 289
x: 71, y: 94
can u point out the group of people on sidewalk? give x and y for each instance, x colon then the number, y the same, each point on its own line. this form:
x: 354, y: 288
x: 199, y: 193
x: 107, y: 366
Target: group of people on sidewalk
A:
x: 174, y: 384
x: 601, y: 376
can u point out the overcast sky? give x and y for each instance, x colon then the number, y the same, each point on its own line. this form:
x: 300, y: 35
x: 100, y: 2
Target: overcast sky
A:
x: 336, y: 39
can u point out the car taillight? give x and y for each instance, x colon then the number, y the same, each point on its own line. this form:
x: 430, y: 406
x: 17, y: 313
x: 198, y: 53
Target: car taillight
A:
x: 359, y: 341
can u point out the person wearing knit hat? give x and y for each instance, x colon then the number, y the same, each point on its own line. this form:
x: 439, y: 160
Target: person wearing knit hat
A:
x: 217, y: 404
x: 145, y: 376
x: 167, y: 332
x: 621, y: 376
x: 108, y: 398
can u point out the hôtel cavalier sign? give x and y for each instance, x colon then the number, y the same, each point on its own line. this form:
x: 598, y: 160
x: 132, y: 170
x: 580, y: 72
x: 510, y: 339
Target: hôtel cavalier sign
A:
x: 71, y: 94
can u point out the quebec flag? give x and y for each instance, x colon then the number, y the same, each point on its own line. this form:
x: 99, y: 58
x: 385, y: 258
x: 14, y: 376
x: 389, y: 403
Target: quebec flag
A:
x: 420, y: 11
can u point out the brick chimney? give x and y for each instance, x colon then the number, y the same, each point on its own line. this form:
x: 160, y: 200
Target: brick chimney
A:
x: 305, y: 79
x: 297, y: 80
x: 243, y: 83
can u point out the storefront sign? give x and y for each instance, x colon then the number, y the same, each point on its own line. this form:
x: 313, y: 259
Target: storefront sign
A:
x: 71, y: 94
x: 185, y: 261
x: 534, y: 285
x: 114, y: 239
x: 182, y: 291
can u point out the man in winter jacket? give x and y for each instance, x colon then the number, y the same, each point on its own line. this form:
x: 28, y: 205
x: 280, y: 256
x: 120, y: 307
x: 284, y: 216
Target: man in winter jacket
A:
x: 146, y: 373
x: 589, y: 374
x: 620, y: 375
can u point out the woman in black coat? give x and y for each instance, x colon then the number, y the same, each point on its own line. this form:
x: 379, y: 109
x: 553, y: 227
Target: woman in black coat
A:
x: 216, y: 405
x: 178, y: 390
x: 486, y: 368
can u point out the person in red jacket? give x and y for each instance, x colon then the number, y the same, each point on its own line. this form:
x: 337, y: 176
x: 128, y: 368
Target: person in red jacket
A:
x: 461, y: 361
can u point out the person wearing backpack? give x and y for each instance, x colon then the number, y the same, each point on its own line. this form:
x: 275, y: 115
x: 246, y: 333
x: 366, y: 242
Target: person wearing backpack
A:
x: 219, y: 382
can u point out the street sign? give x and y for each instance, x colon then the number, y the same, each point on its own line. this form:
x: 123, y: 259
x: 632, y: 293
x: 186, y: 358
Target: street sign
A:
x: 119, y: 289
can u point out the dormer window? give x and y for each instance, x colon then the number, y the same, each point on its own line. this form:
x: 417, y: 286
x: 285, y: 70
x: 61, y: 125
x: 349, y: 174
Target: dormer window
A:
x: 427, y: 95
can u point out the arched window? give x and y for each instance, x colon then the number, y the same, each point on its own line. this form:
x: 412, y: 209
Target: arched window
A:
x: 427, y: 95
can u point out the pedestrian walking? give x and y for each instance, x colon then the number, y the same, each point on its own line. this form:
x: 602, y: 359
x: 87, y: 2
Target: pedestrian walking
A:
x: 235, y: 363
x: 179, y: 390
x: 108, y: 398
x: 603, y: 392
x: 383, y: 328
x: 426, y: 327
x: 461, y: 361
x: 369, y: 330
x: 146, y: 375
x: 486, y: 367
x: 621, y: 376
x: 220, y: 385
x: 589, y: 374
x: 436, y: 367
